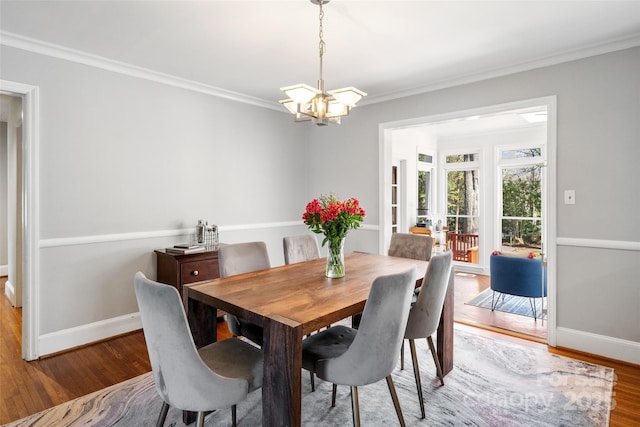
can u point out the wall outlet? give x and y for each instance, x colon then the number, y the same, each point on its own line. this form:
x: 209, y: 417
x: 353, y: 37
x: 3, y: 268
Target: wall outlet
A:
x: 569, y: 197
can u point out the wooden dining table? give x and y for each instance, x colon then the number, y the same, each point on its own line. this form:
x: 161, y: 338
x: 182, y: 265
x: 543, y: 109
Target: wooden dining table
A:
x: 294, y: 300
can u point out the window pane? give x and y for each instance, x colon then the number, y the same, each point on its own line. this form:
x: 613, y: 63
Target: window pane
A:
x: 394, y: 175
x: 463, y: 225
x: 521, y: 192
x: 394, y: 196
x: 425, y: 158
x: 521, y: 154
x: 462, y: 193
x: 462, y: 158
x: 462, y: 202
x: 522, y: 234
x: 424, y: 185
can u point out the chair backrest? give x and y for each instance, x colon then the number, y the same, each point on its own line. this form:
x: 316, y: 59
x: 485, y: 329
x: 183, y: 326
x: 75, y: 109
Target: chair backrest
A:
x: 181, y: 377
x: 241, y: 258
x: 303, y: 247
x: 518, y: 276
x: 375, y: 349
x: 414, y: 246
x: 425, y: 313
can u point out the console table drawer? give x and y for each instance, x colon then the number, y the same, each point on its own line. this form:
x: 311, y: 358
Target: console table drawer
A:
x: 180, y: 270
x: 197, y: 271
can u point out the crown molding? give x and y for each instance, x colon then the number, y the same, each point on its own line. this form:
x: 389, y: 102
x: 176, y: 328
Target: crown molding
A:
x: 60, y: 52
x: 567, y: 56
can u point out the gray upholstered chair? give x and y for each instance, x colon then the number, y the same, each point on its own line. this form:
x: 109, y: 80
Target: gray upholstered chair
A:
x: 217, y: 376
x: 364, y: 356
x: 424, y: 315
x: 414, y: 246
x: 406, y: 245
x: 303, y: 247
x: 241, y: 258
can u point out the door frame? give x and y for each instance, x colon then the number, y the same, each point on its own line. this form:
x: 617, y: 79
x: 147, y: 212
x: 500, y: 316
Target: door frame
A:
x: 385, y: 131
x: 30, y: 257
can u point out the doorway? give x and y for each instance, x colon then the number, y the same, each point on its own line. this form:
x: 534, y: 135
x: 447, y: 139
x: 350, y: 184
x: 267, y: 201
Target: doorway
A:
x: 10, y: 193
x: 460, y: 136
x: 27, y: 221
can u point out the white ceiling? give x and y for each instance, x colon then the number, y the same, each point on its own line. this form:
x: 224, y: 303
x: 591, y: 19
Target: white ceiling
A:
x: 385, y: 48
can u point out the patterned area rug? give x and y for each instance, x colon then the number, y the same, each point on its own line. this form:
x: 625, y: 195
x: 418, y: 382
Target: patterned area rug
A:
x: 493, y: 383
x: 509, y: 303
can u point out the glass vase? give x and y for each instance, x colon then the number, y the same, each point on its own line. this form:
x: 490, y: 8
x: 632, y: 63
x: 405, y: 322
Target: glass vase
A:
x: 335, y: 259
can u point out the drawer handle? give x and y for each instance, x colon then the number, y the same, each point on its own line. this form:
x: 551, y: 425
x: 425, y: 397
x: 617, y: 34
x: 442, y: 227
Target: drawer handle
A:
x: 195, y: 272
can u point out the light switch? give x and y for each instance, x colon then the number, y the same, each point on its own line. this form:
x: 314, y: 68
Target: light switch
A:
x: 569, y: 197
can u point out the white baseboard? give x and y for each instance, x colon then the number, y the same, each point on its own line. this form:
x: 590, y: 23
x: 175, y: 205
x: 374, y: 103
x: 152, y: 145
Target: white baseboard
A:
x: 86, y: 334
x: 10, y: 292
x: 4, y: 270
x: 613, y: 348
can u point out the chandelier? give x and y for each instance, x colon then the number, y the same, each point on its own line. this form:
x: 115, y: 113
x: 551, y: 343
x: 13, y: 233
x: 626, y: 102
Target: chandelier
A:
x: 308, y: 103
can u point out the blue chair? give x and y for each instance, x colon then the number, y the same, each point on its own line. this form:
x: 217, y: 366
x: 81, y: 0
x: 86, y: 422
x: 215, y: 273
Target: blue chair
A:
x: 517, y: 276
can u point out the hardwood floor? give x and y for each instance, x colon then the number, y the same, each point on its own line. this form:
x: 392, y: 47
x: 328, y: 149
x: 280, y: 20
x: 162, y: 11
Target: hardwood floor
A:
x: 30, y: 387
x: 468, y: 286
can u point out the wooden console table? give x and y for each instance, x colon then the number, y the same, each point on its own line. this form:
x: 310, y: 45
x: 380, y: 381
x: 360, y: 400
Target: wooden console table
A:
x: 184, y: 270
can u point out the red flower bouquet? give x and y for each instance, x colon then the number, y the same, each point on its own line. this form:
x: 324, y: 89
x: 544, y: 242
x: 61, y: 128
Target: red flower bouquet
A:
x: 329, y: 216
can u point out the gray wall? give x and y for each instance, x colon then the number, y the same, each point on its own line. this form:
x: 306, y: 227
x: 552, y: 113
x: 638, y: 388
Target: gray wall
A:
x: 598, y: 147
x: 122, y: 155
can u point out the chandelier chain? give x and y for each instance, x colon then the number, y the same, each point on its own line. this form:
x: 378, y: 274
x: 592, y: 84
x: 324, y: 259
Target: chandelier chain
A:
x: 322, y: 46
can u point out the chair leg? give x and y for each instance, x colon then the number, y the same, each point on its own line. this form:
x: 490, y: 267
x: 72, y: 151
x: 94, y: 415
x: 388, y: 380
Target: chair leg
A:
x: 234, y: 415
x: 533, y: 308
x: 416, y: 374
x: 334, y: 391
x: 355, y: 406
x: 396, y: 402
x: 163, y: 414
x: 402, y: 356
x: 200, y: 419
x: 493, y: 296
x: 434, y: 353
x: 312, y: 378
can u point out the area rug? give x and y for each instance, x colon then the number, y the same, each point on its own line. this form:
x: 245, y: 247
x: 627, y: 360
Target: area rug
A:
x: 493, y: 383
x: 511, y: 304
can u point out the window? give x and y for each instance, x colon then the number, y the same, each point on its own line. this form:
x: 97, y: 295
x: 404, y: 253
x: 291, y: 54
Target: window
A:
x: 462, y: 172
x: 424, y: 186
x: 394, y: 199
x: 521, y: 188
x: 463, y: 206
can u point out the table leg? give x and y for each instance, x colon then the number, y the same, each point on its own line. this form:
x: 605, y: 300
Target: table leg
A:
x: 445, y: 331
x: 281, y: 387
x: 203, y: 321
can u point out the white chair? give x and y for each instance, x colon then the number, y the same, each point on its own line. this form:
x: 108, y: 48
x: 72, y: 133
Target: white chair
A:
x: 217, y: 376
x: 424, y: 315
x: 237, y: 259
x: 357, y: 357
